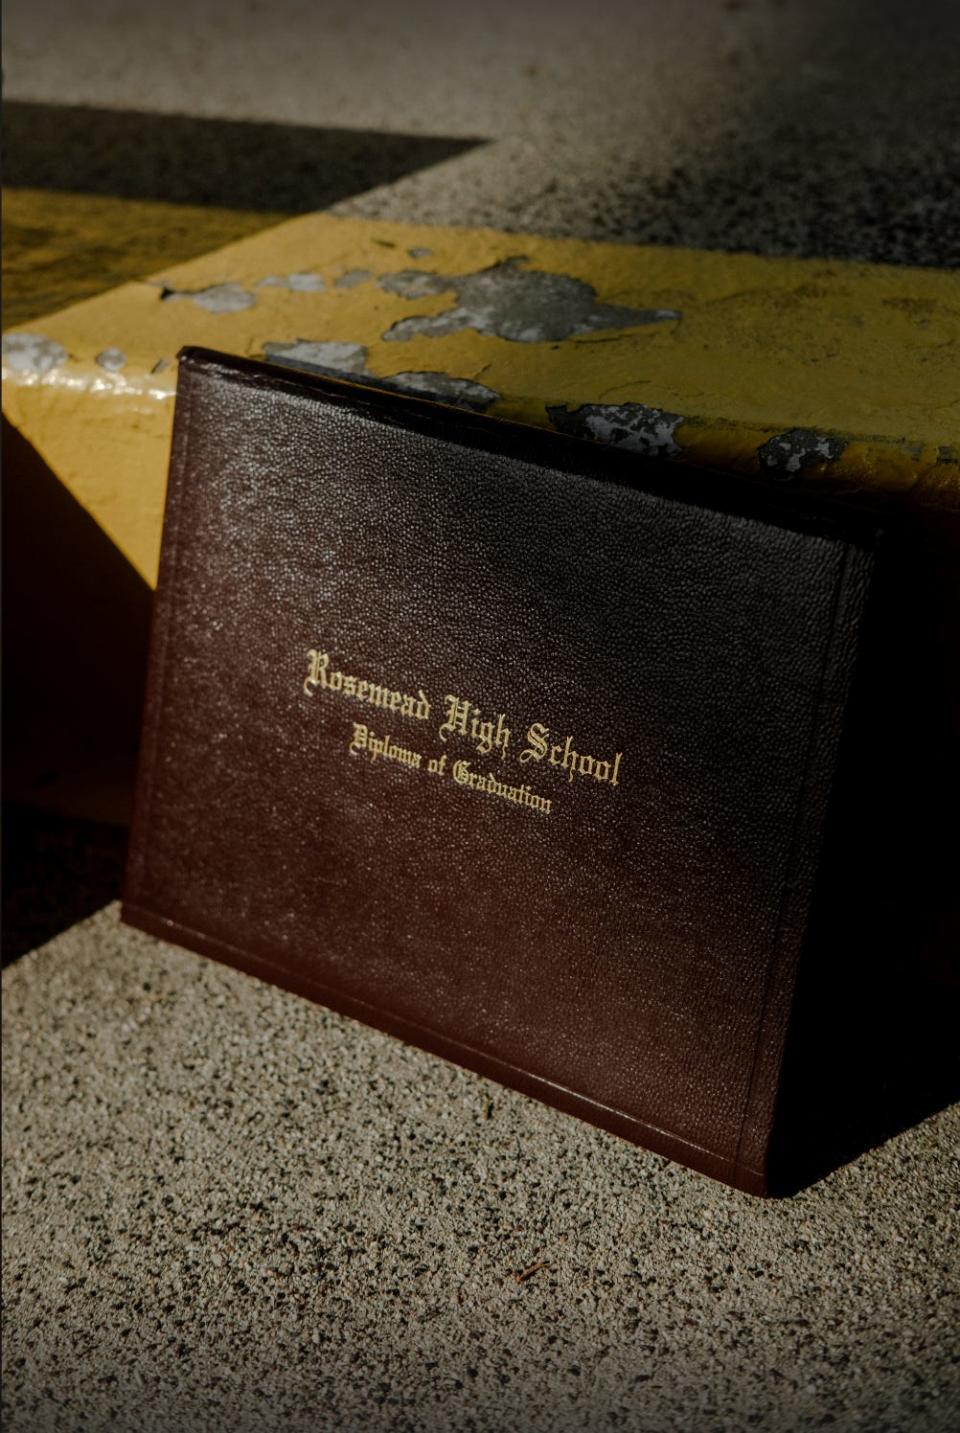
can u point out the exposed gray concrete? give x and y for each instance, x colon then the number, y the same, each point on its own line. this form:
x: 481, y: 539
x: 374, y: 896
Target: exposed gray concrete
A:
x: 227, y: 1208
x: 510, y: 301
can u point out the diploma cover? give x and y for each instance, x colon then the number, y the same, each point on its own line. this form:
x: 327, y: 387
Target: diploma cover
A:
x: 514, y: 746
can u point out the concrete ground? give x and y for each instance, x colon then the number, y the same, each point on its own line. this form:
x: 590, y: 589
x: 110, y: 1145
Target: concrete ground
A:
x: 814, y: 127
x: 228, y: 1209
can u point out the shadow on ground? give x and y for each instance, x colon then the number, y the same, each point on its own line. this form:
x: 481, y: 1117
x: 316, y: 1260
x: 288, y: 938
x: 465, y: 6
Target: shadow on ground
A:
x: 237, y: 164
x: 57, y: 870
x: 873, y: 1043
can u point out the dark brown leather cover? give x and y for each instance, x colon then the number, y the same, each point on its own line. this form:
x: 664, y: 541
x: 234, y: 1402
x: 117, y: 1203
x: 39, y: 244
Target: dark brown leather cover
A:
x: 610, y: 916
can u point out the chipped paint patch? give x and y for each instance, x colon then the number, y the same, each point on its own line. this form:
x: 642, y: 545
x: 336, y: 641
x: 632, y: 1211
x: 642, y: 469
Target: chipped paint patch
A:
x: 349, y: 360
x: 112, y: 359
x: 634, y: 426
x: 512, y: 302
x: 161, y: 364
x: 420, y: 251
x: 32, y: 353
x: 414, y: 284
x: 216, y: 298
x: 788, y: 453
x: 319, y: 355
x: 442, y: 387
x: 352, y: 277
x: 304, y: 283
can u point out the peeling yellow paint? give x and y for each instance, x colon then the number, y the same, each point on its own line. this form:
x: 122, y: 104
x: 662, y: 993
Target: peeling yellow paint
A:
x: 868, y: 354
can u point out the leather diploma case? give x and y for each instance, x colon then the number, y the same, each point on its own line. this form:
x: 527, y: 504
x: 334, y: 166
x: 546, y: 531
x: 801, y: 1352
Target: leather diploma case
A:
x: 514, y: 746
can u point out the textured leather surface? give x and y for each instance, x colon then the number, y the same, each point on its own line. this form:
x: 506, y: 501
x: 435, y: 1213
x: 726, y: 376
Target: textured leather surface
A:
x: 629, y: 955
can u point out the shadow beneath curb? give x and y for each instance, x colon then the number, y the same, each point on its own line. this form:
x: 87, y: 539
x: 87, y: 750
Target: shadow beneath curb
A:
x: 76, y: 627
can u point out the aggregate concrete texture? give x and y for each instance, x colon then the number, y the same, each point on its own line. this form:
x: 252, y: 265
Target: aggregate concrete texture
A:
x: 807, y: 127
x: 227, y: 1208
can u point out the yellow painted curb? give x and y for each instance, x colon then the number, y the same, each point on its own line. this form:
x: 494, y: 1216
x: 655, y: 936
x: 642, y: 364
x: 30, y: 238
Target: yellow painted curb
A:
x: 62, y: 247
x: 841, y: 375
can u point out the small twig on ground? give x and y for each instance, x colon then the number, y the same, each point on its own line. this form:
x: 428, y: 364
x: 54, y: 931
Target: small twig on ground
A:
x: 529, y: 1272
